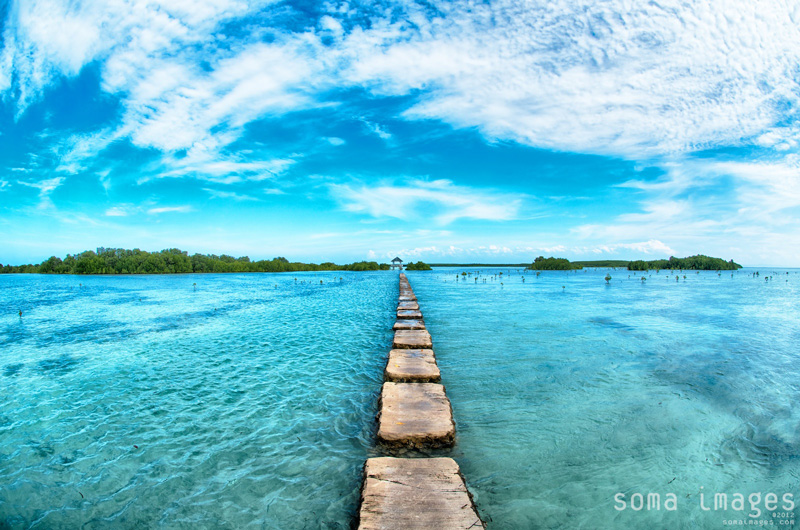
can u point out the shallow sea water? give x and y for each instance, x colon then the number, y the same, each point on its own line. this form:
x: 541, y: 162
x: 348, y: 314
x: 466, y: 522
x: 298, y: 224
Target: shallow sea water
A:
x: 140, y: 402
x: 568, y: 391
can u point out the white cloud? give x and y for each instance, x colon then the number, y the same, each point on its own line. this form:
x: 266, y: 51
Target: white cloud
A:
x: 441, y: 200
x: 205, y: 164
x: 45, y: 187
x: 636, y: 80
x: 503, y: 253
x: 748, y: 209
x: 376, y: 129
x: 169, y: 209
x: 218, y: 194
x: 648, y: 81
x: 119, y: 211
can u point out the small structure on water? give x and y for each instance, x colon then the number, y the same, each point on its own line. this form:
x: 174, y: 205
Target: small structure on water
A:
x: 397, y: 263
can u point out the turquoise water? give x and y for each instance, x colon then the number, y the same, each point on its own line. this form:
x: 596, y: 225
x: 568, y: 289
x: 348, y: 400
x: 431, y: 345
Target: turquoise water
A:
x: 568, y: 391
x: 249, y: 402
x: 138, y: 402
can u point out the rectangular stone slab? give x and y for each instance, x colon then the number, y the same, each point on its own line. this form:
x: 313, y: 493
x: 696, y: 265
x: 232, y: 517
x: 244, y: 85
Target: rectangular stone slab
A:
x: 415, y: 494
x: 412, y: 366
x: 408, y: 298
x: 412, y: 338
x: 408, y: 324
x: 411, y: 306
x: 416, y: 415
x: 404, y: 314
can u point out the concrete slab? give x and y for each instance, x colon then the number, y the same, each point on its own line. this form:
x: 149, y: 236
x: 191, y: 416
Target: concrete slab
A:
x: 416, y: 415
x: 408, y: 315
x: 412, y: 306
x: 412, y: 366
x: 412, y: 338
x: 408, y: 297
x: 408, y: 324
x: 416, y: 494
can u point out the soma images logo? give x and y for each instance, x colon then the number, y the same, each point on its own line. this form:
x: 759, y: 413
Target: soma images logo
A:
x: 752, y: 503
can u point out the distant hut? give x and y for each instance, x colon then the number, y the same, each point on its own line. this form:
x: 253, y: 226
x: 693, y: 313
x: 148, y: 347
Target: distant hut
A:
x: 397, y: 263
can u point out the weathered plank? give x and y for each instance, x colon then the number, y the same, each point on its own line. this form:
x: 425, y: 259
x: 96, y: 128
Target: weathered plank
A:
x: 404, y: 314
x: 408, y: 324
x: 416, y: 494
x: 416, y: 415
x: 412, y: 338
x: 412, y: 366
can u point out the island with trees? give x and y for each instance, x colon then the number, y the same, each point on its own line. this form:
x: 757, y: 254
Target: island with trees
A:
x: 692, y: 263
x: 173, y: 261
x: 552, y: 264
x: 418, y: 266
x: 699, y: 263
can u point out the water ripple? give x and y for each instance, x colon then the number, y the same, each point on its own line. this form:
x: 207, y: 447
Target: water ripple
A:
x: 141, y: 402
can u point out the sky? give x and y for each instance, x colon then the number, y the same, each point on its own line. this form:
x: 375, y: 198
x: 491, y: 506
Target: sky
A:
x: 457, y: 131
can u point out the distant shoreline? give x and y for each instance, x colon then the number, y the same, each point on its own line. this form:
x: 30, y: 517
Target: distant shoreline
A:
x: 599, y: 263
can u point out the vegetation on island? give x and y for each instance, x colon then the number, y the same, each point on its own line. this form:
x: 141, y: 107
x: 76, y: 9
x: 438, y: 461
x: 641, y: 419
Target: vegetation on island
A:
x: 605, y: 263
x: 481, y: 265
x: 552, y: 264
x: 698, y: 263
x: 418, y: 266
x: 173, y: 261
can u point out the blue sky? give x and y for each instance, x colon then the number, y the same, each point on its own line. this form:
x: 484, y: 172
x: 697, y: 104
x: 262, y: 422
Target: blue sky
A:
x: 443, y: 131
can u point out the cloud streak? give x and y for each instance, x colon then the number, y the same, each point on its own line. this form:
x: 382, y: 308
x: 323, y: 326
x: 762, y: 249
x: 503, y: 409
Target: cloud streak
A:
x: 636, y: 80
x: 440, y: 200
x: 704, y: 92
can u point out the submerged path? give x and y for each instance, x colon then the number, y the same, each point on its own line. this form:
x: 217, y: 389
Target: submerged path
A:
x: 415, y: 413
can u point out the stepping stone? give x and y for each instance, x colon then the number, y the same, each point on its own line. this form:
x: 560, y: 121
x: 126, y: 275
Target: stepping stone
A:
x: 412, y: 366
x: 412, y: 306
x: 408, y: 324
x: 404, y: 314
x: 415, y: 415
x: 416, y: 494
x: 412, y: 338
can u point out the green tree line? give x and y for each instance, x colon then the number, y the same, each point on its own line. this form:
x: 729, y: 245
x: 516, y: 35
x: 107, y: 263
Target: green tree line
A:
x: 418, y: 266
x: 552, y: 264
x: 699, y: 263
x: 173, y: 261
